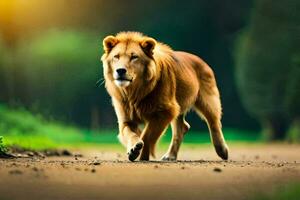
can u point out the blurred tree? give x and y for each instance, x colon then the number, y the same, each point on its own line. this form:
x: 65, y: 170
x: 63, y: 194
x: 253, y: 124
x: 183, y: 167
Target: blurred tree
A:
x: 264, y: 66
x: 292, y: 98
x: 2, y: 72
x: 5, y: 70
x: 59, y: 70
x: 9, y: 37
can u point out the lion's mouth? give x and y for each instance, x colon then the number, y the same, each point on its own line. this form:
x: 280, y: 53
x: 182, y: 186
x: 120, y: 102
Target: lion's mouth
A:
x: 123, y: 79
x: 123, y: 82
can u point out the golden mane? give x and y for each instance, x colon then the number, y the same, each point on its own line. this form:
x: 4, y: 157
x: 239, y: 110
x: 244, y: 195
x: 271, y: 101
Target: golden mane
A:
x: 160, y: 49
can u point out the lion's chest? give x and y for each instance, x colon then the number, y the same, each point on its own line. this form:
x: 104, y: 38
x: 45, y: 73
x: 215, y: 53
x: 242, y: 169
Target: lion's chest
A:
x: 132, y: 113
x: 139, y: 112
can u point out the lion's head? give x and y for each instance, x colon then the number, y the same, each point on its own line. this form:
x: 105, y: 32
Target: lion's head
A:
x: 128, y: 59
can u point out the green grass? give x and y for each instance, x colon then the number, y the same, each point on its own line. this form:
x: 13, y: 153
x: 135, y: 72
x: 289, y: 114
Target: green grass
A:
x: 20, y: 127
x: 203, y: 136
x: 31, y: 131
x: 2, y: 146
x: 290, y: 191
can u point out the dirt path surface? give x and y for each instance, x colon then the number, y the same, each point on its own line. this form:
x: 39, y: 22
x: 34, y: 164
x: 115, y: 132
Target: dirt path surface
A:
x: 199, y: 174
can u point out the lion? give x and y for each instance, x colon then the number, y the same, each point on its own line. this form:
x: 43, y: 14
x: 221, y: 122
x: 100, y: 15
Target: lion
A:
x: 151, y: 84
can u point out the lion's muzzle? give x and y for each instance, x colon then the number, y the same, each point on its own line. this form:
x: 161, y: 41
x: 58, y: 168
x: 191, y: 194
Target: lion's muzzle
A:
x: 121, y: 77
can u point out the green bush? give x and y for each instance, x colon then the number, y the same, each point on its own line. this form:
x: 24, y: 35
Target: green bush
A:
x: 2, y: 146
x: 16, y: 122
x: 21, y: 127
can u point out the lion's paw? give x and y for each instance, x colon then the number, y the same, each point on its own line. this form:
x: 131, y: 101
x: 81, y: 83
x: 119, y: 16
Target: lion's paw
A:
x: 135, y: 151
x: 168, y: 157
x: 222, y: 151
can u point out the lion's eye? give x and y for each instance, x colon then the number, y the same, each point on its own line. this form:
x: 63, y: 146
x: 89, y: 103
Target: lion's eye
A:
x: 116, y: 56
x: 134, y: 57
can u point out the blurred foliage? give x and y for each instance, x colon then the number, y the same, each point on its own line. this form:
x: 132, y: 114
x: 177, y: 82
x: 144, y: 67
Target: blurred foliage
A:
x: 2, y: 146
x: 60, y: 67
x: 55, y: 74
x: 292, y: 100
x: 4, y: 63
x: 293, y: 87
x: 293, y: 134
x: 53, y: 52
x: 21, y: 127
x: 267, y: 76
x: 22, y: 122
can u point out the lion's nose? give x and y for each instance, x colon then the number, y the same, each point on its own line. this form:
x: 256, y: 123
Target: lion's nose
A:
x: 121, y: 71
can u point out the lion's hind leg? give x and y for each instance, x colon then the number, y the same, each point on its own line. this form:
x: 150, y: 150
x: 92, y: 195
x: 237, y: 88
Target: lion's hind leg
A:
x: 179, y: 128
x: 208, y: 107
x: 154, y: 128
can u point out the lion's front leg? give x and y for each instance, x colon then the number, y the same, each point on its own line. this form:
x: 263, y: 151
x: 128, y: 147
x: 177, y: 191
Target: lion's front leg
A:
x: 129, y: 132
x: 129, y: 136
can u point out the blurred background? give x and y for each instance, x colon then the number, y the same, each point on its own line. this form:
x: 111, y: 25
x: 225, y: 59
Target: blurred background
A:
x: 50, y: 62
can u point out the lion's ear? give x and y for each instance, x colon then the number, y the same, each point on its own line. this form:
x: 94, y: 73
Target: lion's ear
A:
x: 148, y: 46
x: 109, y: 42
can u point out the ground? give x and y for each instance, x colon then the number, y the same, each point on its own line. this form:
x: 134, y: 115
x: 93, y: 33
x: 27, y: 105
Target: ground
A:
x: 253, y: 171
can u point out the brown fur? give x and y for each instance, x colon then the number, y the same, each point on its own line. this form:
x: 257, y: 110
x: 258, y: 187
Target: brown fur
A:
x: 163, y: 85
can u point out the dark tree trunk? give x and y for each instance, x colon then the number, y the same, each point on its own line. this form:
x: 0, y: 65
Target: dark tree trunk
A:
x: 275, y: 129
x: 294, y: 131
x: 95, y: 118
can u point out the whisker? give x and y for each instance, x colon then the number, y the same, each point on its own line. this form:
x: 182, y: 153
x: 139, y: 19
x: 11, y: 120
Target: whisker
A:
x: 100, y: 82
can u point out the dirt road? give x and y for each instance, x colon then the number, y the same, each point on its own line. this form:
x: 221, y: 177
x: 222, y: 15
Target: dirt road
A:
x: 251, y: 171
